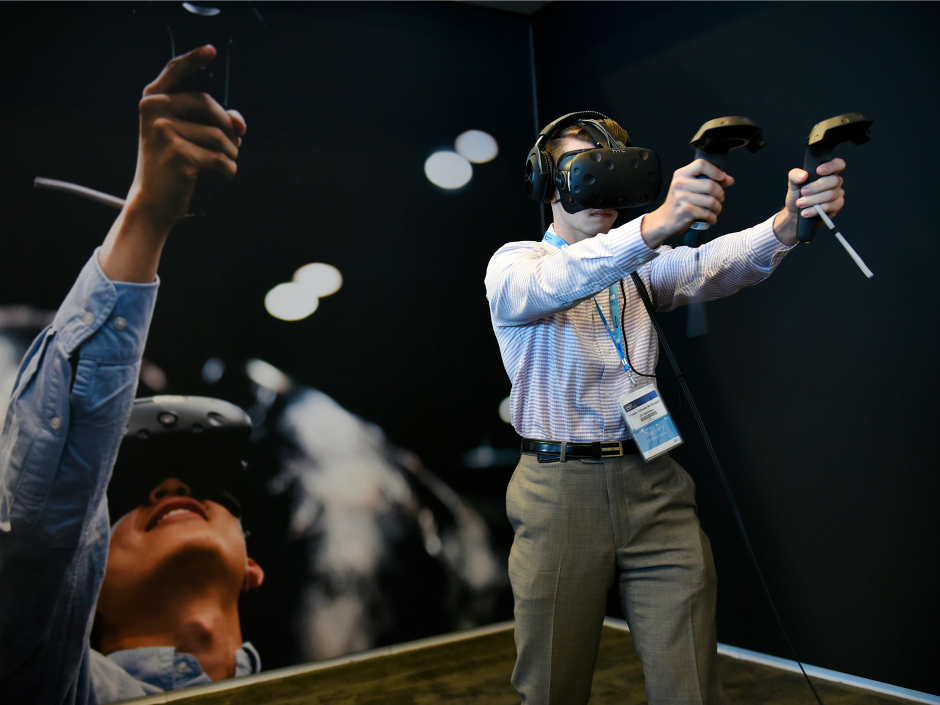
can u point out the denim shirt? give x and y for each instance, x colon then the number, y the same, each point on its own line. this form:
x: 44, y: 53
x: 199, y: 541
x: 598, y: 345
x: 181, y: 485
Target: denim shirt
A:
x: 154, y: 669
x: 63, y: 428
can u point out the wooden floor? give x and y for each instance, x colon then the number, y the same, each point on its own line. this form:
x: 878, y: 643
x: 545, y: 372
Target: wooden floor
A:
x: 476, y: 671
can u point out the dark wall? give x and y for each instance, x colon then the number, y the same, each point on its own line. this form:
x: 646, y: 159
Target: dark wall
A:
x: 818, y: 386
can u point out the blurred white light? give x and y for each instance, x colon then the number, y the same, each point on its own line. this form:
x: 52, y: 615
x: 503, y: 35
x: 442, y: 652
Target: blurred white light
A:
x: 476, y: 146
x: 266, y: 375
x: 201, y: 10
x: 291, y: 301
x: 448, y: 170
x: 480, y: 457
x: 213, y: 370
x: 321, y: 279
x: 432, y: 544
x: 504, y: 410
x: 152, y: 376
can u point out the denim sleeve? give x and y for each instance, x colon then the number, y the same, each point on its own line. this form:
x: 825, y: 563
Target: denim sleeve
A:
x: 64, y: 424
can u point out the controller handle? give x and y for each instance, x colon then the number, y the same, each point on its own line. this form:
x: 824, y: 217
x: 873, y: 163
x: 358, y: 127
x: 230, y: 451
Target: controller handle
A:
x: 819, y: 145
x: 712, y: 143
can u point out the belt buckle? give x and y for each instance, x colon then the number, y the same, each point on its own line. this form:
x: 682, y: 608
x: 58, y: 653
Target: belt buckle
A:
x: 611, y: 452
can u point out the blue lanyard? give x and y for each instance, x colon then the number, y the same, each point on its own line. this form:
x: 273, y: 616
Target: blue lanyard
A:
x: 615, y: 333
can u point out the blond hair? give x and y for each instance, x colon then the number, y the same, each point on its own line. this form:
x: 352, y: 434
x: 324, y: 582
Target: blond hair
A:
x: 580, y: 133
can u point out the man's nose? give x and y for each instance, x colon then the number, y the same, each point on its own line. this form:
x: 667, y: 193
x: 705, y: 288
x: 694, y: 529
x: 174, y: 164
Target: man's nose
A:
x: 169, y: 487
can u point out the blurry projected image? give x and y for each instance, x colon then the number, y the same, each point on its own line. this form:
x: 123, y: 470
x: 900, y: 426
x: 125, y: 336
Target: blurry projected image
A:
x: 384, y: 550
x: 267, y: 376
x: 362, y: 545
x: 448, y: 170
x: 212, y: 370
x: 476, y: 146
x: 319, y: 278
x: 291, y: 301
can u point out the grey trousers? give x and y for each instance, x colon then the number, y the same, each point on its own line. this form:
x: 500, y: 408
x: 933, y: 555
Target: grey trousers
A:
x: 575, y: 523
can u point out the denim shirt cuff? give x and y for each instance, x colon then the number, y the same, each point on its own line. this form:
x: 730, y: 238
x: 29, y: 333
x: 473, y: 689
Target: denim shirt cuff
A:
x: 108, y: 319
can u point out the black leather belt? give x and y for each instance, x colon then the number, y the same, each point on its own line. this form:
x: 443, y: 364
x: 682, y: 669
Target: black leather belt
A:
x: 551, y: 450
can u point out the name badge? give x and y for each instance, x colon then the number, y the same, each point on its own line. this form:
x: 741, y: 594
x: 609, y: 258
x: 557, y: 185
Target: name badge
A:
x: 649, y: 421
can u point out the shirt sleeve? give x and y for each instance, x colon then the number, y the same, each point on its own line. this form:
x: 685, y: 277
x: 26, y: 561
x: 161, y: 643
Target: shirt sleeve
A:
x: 526, y: 281
x: 716, y: 269
x: 64, y: 424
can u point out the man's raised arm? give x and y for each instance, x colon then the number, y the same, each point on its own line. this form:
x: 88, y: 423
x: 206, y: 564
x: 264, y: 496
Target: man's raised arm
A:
x: 73, y: 395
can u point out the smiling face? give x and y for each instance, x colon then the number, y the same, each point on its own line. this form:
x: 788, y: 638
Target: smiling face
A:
x: 175, y: 540
x: 574, y: 227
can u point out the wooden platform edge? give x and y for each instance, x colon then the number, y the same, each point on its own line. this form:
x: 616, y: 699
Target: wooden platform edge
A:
x: 813, y: 671
x: 276, y: 674
x: 612, y: 622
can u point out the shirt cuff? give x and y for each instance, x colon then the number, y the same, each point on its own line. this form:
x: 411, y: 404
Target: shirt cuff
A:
x: 628, y: 246
x: 108, y: 319
x: 767, y: 249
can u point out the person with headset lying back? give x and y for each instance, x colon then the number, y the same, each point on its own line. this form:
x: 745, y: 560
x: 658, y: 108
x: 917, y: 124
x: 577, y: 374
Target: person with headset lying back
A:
x: 579, y: 348
x: 166, y: 593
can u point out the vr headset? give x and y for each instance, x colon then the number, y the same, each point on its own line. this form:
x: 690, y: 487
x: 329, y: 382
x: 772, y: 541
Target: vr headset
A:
x: 611, y: 175
x: 198, y: 440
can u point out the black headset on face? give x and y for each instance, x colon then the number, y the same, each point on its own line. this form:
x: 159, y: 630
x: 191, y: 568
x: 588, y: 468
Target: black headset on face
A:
x: 610, y: 175
x: 198, y: 440
x: 540, y: 167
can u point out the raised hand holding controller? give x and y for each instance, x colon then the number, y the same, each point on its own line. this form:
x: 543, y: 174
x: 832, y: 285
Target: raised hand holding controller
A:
x: 712, y: 143
x: 822, y: 140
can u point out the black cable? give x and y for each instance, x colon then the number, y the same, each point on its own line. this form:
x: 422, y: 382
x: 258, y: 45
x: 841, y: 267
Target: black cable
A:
x: 626, y: 346
x: 644, y: 294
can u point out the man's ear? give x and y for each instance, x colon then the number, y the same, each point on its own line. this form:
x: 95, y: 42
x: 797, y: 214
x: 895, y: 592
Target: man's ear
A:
x: 254, y: 576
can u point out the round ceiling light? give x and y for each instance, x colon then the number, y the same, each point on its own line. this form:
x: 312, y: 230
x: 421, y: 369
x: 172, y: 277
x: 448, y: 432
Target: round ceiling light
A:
x: 448, y: 170
x: 476, y: 146
x: 291, y: 301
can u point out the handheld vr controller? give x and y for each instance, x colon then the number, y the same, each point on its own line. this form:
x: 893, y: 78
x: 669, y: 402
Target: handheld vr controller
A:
x: 712, y: 143
x: 198, y: 440
x: 819, y: 145
x: 186, y: 26
x: 611, y: 175
x: 189, y: 25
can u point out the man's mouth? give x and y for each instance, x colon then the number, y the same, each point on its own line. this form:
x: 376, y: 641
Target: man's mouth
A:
x: 175, y: 507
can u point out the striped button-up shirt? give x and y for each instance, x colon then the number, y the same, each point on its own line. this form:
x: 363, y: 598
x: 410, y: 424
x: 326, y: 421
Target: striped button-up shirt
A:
x: 565, y: 372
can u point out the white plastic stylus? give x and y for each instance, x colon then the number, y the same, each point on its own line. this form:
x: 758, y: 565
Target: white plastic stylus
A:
x: 848, y: 248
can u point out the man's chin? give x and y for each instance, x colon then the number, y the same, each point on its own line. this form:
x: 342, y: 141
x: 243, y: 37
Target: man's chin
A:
x: 602, y: 221
x: 195, y: 563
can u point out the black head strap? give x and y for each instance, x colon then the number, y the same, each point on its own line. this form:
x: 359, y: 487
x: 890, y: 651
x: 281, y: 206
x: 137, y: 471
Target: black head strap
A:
x: 600, y: 135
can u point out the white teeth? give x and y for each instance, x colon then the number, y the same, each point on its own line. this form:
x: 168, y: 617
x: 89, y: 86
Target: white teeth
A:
x: 175, y: 511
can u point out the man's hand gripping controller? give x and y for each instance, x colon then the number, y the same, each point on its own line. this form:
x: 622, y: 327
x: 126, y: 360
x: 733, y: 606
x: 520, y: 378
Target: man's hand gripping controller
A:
x: 822, y: 140
x: 712, y: 143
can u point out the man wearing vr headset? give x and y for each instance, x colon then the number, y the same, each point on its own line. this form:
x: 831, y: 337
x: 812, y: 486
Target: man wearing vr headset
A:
x: 167, y: 609
x: 583, y: 503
